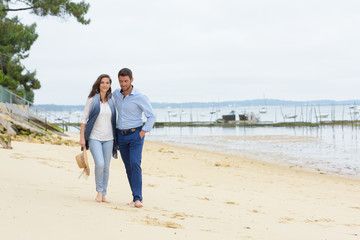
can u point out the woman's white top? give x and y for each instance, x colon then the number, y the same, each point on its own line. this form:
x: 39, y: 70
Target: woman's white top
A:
x: 102, y: 130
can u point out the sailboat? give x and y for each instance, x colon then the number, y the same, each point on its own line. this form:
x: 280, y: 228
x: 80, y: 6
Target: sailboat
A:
x: 171, y: 113
x: 263, y: 110
x: 322, y: 115
x: 290, y: 115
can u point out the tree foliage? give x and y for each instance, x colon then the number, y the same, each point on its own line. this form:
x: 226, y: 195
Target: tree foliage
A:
x: 16, y: 39
x: 58, y: 8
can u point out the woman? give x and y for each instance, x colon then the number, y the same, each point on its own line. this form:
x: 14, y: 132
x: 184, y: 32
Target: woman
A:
x: 98, y: 125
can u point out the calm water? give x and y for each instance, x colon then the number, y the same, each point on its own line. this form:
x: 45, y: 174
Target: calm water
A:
x: 332, y: 150
x: 327, y: 149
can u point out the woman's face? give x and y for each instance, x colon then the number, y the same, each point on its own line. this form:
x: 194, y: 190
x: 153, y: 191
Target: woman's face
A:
x: 104, y: 85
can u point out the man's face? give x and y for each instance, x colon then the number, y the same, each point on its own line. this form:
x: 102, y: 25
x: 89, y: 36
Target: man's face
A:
x: 125, y: 82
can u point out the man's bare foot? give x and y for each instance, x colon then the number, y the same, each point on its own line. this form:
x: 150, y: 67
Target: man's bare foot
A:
x: 138, y: 204
x: 99, y: 197
x: 132, y: 204
x: 105, y: 200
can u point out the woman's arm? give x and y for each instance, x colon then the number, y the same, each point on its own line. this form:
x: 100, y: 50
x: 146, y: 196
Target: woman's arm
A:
x: 82, y: 135
x: 84, y: 119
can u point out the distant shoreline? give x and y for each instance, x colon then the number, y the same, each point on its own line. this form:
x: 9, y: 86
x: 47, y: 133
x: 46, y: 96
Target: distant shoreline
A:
x: 254, y: 102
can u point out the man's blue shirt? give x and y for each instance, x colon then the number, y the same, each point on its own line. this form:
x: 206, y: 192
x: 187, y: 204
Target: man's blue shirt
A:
x: 130, y: 110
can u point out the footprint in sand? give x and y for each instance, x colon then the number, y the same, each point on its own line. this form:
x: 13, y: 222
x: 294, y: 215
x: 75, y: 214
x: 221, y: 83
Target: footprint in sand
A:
x: 47, y: 159
x: 50, y: 165
x: 285, y: 220
x: 157, y: 222
x: 352, y: 225
x: 319, y: 220
x: 204, y: 198
x: 119, y: 209
x: 246, y: 237
x: 358, y: 208
x: 18, y: 156
x: 222, y: 165
x: 163, y: 151
x: 45, y: 163
x: 180, y: 216
x: 197, y: 184
x: 256, y: 211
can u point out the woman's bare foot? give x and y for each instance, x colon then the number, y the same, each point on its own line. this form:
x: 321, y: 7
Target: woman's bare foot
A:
x: 99, y: 197
x: 105, y: 200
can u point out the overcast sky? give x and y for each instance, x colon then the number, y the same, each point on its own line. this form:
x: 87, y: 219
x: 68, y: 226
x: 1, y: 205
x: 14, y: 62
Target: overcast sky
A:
x: 203, y: 50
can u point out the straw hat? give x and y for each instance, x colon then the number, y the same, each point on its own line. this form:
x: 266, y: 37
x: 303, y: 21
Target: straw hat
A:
x: 82, y: 162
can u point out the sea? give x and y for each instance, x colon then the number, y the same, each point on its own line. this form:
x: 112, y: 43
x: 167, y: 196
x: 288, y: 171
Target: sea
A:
x: 323, y: 149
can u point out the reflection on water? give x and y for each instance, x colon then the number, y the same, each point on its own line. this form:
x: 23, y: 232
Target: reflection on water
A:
x: 327, y: 149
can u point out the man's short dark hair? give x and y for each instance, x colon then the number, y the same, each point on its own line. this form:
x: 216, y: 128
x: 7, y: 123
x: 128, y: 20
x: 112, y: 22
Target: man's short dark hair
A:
x: 125, y: 72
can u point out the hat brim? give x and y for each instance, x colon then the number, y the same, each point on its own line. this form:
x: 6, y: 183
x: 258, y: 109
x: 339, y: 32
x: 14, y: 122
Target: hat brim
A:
x: 87, y: 169
x: 79, y: 160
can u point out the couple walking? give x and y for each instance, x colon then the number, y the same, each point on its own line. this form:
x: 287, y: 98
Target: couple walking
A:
x: 111, y: 121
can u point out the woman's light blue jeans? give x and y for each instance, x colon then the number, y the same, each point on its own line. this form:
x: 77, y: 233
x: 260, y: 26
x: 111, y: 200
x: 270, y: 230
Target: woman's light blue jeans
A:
x: 101, y: 152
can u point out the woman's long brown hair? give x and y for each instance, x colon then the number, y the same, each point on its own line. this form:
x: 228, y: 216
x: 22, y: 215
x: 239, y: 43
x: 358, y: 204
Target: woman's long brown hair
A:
x: 96, y: 87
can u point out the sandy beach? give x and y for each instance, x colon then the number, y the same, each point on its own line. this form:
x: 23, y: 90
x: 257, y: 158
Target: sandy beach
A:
x: 188, y: 194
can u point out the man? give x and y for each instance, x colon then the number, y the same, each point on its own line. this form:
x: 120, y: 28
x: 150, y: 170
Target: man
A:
x: 130, y: 132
